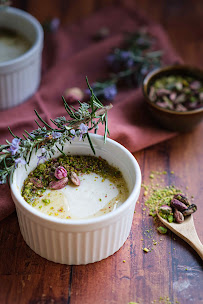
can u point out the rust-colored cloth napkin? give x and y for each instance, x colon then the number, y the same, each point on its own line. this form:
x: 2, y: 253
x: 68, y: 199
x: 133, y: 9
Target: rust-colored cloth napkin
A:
x: 69, y: 55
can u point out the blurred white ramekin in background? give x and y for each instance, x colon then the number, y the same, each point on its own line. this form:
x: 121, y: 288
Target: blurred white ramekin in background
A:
x: 20, y: 77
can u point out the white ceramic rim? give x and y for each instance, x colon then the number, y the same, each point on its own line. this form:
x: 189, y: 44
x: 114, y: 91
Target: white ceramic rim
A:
x: 103, y: 218
x: 37, y: 45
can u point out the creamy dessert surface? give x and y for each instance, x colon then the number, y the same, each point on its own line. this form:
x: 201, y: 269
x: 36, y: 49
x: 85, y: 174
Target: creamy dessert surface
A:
x: 102, y: 189
x: 94, y: 197
x: 12, y: 44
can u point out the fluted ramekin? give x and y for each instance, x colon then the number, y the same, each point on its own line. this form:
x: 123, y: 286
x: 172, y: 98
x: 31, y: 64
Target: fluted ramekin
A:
x: 20, y: 77
x: 84, y: 241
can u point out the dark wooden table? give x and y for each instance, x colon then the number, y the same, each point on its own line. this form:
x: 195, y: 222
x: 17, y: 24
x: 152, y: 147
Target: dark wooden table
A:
x: 172, y: 271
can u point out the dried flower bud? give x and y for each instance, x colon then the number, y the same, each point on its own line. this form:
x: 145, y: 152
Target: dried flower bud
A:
x: 75, y: 179
x: 37, y: 182
x: 165, y: 209
x: 178, y: 205
x: 73, y: 94
x: 179, y: 218
x: 191, y: 209
x: 182, y: 198
x: 60, y: 172
x: 56, y: 185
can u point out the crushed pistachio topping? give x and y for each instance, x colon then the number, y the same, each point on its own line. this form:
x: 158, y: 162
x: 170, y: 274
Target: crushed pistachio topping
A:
x: 39, y: 179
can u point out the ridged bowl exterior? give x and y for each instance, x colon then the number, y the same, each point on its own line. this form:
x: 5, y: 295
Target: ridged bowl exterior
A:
x: 86, y: 241
x: 20, y: 77
x: 74, y: 248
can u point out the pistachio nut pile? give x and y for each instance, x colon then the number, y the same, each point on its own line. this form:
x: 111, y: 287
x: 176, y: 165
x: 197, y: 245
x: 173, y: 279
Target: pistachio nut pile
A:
x: 177, y: 93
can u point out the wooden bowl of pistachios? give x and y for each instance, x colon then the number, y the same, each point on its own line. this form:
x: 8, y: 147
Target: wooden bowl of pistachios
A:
x: 174, y: 96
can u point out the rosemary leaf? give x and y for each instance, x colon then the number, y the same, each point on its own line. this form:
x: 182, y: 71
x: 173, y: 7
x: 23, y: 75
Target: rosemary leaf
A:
x: 90, y: 142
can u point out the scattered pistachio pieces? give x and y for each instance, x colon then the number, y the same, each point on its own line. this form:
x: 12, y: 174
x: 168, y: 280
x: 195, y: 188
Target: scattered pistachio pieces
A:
x: 164, y: 300
x: 145, y: 249
x: 46, y: 201
x: 160, y: 197
x: 162, y: 229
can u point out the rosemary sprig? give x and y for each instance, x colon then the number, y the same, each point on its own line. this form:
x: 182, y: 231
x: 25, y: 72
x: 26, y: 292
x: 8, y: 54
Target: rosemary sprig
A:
x: 128, y: 64
x: 47, y: 138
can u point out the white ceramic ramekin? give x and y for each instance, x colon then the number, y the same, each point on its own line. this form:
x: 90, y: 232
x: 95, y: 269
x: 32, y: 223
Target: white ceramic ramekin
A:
x: 20, y: 77
x: 75, y: 242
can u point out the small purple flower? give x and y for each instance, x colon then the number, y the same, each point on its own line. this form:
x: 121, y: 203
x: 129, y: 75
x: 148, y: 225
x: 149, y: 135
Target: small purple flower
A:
x: 19, y: 161
x: 141, y: 41
x: 56, y: 135
x: 87, y: 92
x: 110, y: 58
x: 15, y: 146
x: 54, y: 24
x: 127, y: 58
x: 125, y: 54
x: 83, y: 129
x: 43, y: 156
x: 144, y: 71
x: 110, y: 92
x: 31, y: 134
x: 72, y: 131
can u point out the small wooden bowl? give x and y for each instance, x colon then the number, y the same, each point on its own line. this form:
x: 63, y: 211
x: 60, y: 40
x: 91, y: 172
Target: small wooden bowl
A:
x: 173, y: 120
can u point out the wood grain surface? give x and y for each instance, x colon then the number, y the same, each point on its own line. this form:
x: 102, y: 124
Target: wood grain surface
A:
x: 172, y: 271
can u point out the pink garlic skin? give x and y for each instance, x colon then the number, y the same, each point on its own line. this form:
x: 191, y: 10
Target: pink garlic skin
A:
x: 60, y: 172
x: 56, y: 185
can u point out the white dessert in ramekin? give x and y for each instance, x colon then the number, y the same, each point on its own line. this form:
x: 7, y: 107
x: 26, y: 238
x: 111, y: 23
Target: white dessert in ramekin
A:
x: 20, y: 76
x: 80, y: 241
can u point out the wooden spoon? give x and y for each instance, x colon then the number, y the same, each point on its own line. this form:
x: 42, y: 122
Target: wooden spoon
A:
x: 186, y: 231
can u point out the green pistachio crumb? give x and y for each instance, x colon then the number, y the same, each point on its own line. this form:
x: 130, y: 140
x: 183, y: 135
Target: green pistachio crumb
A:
x: 46, y: 201
x: 170, y: 218
x: 162, y: 230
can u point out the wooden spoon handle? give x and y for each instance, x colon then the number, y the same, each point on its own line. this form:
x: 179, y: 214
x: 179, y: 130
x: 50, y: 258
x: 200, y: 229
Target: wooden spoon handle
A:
x: 193, y: 240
